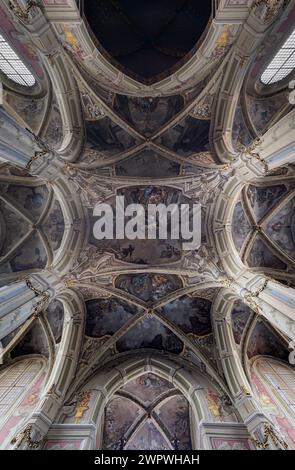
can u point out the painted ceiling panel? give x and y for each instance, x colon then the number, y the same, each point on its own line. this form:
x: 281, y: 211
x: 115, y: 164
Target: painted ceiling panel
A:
x: 31, y: 255
x: 281, y: 228
x: 119, y: 416
x: 240, y: 226
x: 159, y: 421
x: 148, y: 164
x: 148, y: 287
x: 54, y: 130
x: 260, y: 255
x: 240, y: 131
x: 32, y: 199
x: 13, y: 228
x: 264, y: 341
x: 105, y: 317
x: 106, y: 136
x: 55, y: 316
x: 147, y: 388
x: 188, y: 137
x: 150, y: 333
x: 239, y: 317
x: 263, y: 110
x: 148, y: 437
x: 147, y: 115
x: 192, y: 315
x: 262, y: 199
x: 144, y: 251
x: 54, y: 226
x: 175, y: 415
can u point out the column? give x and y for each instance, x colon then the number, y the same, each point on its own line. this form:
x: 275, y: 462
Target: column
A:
x: 17, y: 303
x: 278, y: 143
x: 270, y: 299
x: 17, y: 145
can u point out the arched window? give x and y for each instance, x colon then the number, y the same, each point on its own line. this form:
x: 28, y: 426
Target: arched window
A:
x: 20, y: 387
x: 274, y: 382
x: 282, y: 64
x: 13, y: 67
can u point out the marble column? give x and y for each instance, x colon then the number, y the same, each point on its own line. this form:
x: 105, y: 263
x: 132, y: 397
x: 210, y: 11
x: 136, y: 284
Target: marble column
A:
x: 272, y: 300
x: 17, y: 145
x: 278, y: 143
x: 17, y: 303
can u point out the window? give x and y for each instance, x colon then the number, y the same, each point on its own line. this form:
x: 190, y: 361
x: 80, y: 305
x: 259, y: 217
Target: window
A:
x: 20, y: 388
x: 275, y: 385
x: 282, y: 64
x: 13, y: 66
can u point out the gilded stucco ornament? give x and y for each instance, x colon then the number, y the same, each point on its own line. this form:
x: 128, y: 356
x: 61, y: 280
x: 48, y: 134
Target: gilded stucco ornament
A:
x: 42, y: 303
x: 82, y: 405
x: 268, y: 10
x: 25, y: 436
x: 251, y: 152
x: 25, y: 13
x: 45, y: 150
x: 269, y: 434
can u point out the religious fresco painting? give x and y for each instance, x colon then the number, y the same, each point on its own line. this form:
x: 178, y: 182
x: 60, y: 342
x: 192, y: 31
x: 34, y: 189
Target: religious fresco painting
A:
x: 149, y: 114
x: 137, y: 418
x: 148, y: 287
x: 240, y: 316
x: 144, y: 251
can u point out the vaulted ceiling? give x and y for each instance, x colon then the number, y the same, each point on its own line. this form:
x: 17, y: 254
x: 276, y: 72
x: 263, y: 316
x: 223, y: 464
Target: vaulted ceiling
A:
x: 147, y: 132
x: 149, y: 39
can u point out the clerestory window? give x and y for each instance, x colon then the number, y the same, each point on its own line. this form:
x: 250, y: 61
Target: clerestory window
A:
x: 282, y: 64
x: 13, y: 67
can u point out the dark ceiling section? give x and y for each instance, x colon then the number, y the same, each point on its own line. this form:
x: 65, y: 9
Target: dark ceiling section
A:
x: 265, y: 341
x: 147, y: 38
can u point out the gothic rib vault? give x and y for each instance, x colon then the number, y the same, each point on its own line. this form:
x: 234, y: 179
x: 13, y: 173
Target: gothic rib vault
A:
x: 141, y: 345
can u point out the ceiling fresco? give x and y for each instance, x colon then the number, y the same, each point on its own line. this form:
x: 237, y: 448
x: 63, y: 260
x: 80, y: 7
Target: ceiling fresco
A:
x: 263, y: 111
x: 32, y: 227
x: 148, y: 287
x: 144, y: 251
x: 240, y: 226
x: 262, y: 256
x: 55, y: 317
x: 105, y: 317
x: 148, y: 164
x: 281, y: 228
x: 262, y: 199
x: 107, y: 137
x: 262, y: 226
x: 240, y: 316
x: 150, y: 333
x: 159, y: 103
x: 265, y: 341
x: 149, y: 114
x: 240, y: 130
x: 192, y: 315
x: 147, y: 413
x: 34, y: 342
x: 188, y: 137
